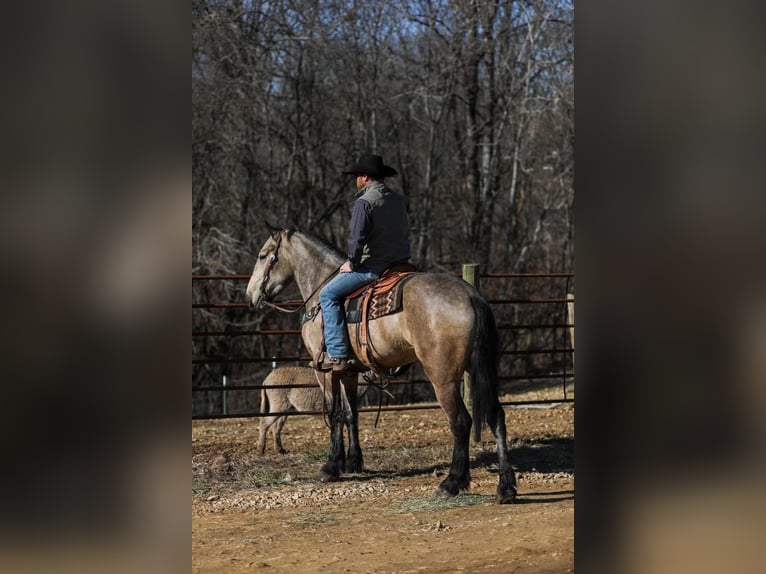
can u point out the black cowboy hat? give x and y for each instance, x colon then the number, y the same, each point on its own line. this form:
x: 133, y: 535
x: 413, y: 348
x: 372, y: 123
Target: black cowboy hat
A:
x: 371, y: 165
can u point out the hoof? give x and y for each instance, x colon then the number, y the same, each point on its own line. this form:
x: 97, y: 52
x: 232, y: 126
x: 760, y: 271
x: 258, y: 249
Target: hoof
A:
x: 442, y: 493
x: 507, y: 496
x: 451, y: 486
x: 328, y: 475
x: 282, y: 451
x: 448, y: 489
x: 354, y: 464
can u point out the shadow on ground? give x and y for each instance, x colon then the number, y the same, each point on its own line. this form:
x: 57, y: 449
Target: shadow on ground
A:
x: 547, y: 455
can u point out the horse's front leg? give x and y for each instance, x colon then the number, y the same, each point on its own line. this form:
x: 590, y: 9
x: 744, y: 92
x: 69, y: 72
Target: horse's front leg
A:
x: 336, y: 456
x: 354, y: 462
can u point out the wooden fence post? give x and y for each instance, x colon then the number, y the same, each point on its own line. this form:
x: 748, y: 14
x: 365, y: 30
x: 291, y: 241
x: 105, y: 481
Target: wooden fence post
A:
x: 571, y: 321
x: 224, y: 398
x: 471, y: 276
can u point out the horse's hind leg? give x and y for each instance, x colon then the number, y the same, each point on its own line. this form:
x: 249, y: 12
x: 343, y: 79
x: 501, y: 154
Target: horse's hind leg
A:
x: 506, y: 488
x: 336, y: 456
x: 277, y: 402
x: 263, y: 428
x: 459, y: 477
x: 354, y: 462
x: 276, y: 431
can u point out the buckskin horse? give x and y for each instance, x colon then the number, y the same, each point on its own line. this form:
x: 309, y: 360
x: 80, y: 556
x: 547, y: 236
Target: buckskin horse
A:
x: 444, y: 323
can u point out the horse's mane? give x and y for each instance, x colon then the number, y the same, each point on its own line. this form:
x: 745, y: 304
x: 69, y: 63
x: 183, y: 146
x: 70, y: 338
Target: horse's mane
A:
x: 317, y: 242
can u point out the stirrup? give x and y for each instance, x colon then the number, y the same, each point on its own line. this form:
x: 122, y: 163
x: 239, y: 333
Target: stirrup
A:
x: 337, y: 365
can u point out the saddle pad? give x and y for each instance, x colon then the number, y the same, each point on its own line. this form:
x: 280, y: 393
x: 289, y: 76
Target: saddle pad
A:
x: 386, y: 298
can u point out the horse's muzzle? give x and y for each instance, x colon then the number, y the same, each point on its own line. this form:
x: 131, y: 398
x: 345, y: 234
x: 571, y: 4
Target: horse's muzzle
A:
x: 257, y: 304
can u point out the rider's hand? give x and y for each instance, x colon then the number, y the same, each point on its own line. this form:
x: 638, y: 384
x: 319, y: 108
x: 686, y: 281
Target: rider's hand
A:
x: 346, y: 267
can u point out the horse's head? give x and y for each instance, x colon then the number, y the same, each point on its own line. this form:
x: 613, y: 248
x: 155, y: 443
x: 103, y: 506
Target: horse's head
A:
x: 273, y: 270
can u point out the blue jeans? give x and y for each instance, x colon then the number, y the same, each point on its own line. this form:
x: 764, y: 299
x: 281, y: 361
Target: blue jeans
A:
x: 331, y: 299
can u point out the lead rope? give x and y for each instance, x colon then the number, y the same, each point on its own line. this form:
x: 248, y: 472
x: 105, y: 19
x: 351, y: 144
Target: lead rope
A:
x: 382, y: 386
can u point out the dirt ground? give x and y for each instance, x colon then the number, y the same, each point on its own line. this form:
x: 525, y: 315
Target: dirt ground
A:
x: 271, y: 513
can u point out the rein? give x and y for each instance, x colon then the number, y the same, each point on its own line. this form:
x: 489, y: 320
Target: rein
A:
x: 325, y: 414
x: 382, y: 388
x: 272, y: 261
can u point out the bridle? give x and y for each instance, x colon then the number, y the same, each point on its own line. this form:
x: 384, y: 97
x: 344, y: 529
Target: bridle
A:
x: 267, y: 274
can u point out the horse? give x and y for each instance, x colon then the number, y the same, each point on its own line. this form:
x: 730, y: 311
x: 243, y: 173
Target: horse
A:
x: 279, y: 400
x: 445, y: 324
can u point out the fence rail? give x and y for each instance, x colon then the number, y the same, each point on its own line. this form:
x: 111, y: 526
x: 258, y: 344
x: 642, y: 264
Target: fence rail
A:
x: 383, y: 408
x: 364, y: 384
x: 306, y: 358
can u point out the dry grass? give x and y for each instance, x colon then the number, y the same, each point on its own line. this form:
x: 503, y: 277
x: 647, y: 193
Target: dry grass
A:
x: 436, y: 503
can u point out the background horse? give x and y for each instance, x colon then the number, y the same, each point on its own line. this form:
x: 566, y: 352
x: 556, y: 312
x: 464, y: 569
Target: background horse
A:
x: 281, y: 399
x: 445, y: 324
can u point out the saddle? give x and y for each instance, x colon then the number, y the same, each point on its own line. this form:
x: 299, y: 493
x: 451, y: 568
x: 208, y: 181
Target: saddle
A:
x: 372, y: 301
x: 377, y: 299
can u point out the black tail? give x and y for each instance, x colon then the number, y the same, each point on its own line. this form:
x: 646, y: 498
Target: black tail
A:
x: 483, y: 366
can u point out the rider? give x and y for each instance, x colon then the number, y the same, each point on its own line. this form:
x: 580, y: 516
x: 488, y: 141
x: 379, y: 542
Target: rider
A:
x: 378, y: 239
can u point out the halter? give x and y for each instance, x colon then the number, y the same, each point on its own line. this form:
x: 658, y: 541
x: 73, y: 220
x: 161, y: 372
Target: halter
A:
x: 267, y: 274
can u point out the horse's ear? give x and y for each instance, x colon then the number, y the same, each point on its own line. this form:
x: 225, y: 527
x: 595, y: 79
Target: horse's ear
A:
x: 273, y: 229
x: 293, y: 228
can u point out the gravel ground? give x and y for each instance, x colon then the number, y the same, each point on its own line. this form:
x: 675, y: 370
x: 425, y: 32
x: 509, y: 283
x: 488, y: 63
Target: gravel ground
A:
x: 272, y: 513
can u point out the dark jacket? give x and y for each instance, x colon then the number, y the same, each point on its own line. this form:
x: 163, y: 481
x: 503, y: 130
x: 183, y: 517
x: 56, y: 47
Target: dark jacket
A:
x: 379, y: 234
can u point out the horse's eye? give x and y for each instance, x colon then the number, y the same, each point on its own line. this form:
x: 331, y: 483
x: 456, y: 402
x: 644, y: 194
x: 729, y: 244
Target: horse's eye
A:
x: 262, y: 256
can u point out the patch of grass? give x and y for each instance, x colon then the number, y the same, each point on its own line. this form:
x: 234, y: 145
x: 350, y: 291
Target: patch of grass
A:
x: 311, y: 519
x: 200, y: 485
x: 315, y: 455
x: 434, y: 502
x: 266, y: 477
